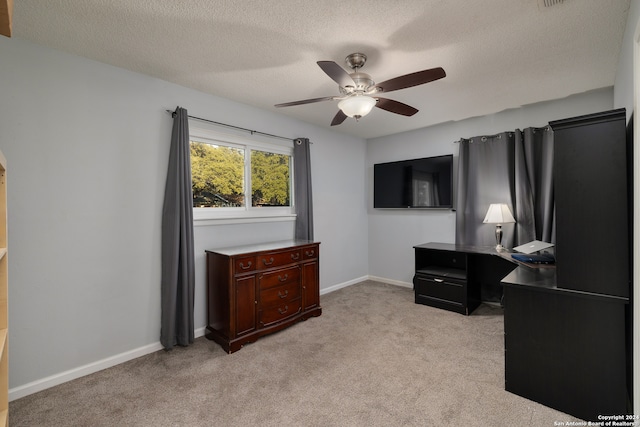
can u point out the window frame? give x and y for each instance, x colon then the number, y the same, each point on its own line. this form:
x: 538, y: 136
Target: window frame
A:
x: 207, y: 134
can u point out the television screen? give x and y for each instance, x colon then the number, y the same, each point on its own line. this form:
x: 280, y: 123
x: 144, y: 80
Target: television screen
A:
x: 419, y: 183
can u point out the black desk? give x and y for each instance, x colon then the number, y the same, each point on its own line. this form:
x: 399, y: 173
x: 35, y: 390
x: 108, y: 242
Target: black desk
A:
x: 458, y: 277
x: 564, y: 348
x: 567, y: 349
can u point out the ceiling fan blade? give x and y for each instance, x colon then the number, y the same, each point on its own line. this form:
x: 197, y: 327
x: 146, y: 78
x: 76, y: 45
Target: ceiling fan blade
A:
x: 410, y: 80
x: 338, y: 118
x: 395, y: 107
x: 306, y: 101
x: 337, y: 73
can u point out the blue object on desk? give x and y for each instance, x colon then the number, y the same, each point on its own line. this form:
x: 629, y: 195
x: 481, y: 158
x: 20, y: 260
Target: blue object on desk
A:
x: 535, y: 258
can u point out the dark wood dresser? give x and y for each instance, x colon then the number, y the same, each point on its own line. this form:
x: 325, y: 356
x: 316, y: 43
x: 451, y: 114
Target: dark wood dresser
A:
x: 258, y: 289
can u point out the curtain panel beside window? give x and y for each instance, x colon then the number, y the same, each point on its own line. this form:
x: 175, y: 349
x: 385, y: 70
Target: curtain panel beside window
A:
x: 302, y: 189
x: 178, y: 268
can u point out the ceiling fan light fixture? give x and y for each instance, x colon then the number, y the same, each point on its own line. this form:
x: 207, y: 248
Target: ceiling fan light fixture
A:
x: 359, y: 93
x: 357, y: 106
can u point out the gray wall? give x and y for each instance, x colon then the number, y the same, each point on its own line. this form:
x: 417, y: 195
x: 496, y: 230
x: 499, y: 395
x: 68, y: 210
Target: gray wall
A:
x: 623, y: 90
x: 393, y: 233
x: 87, y: 150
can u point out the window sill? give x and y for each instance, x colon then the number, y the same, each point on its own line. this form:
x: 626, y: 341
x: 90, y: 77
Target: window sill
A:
x: 242, y: 219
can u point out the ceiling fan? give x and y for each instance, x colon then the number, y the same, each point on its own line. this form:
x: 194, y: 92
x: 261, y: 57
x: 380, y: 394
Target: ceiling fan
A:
x: 358, y: 92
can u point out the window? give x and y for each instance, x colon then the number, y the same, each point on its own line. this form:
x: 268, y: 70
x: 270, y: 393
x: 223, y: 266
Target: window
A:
x: 217, y: 175
x: 270, y: 182
x: 236, y: 177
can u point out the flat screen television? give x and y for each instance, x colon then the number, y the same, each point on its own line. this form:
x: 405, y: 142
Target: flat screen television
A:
x: 425, y: 183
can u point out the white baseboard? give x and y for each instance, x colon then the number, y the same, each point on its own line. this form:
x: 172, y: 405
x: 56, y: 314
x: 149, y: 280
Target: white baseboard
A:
x: 391, y: 282
x: 81, y: 371
x: 342, y: 285
x: 363, y: 278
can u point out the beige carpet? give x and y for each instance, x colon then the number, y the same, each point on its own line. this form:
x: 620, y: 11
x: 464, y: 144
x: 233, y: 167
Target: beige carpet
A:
x: 374, y: 358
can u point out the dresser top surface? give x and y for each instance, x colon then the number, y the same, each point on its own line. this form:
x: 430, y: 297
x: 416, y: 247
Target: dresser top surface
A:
x: 262, y: 247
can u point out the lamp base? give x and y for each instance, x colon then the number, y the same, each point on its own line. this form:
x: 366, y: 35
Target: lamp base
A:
x: 499, y: 246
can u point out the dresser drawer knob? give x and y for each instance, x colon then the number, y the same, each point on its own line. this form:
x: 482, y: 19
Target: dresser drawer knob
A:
x: 283, y: 311
x: 295, y: 256
x: 283, y: 279
x: 248, y: 266
x: 438, y: 280
x: 310, y: 253
x: 281, y: 295
x: 265, y: 262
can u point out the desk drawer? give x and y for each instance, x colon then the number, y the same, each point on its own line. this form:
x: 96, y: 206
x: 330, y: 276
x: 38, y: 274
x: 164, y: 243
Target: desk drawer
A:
x: 439, y: 288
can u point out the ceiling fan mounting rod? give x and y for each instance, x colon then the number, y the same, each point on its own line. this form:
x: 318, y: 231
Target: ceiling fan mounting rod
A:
x: 356, y: 60
x: 363, y: 81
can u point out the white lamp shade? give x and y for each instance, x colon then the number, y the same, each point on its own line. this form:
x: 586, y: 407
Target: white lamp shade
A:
x: 357, y: 106
x: 498, y: 213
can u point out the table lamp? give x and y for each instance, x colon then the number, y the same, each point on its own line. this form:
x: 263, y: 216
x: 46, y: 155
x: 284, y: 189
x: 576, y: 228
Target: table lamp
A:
x: 498, y: 214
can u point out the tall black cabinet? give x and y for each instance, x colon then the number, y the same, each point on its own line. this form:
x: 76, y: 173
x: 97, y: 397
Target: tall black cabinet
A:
x: 592, y: 203
x: 568, y: 334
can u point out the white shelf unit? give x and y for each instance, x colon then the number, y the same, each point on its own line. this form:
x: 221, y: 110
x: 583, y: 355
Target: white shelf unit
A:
x: 4, y: 288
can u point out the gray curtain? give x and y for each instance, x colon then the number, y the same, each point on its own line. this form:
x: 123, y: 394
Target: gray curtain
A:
x: 302, y: 189
x: 178, y: 272
x: 486, y: 174
x: 515, y: 168
x: 535, y: 203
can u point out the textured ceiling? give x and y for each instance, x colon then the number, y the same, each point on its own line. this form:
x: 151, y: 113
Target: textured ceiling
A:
x: 497, y: 54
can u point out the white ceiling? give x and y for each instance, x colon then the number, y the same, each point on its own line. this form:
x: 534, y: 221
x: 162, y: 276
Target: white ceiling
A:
x: 498, y: 54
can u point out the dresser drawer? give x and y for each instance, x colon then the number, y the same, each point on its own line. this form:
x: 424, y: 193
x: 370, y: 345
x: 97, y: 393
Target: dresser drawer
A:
x: 280, y: 312
x: 276, y: 259
x: 310, y: 252
x: 279, y: 277
x: 244, y: 264
x: 439, y: 288
x: 280, y: 294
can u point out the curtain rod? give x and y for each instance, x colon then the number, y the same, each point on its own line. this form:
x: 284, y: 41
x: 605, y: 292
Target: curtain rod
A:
x: 484, y: 138
x: 252, y: 132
